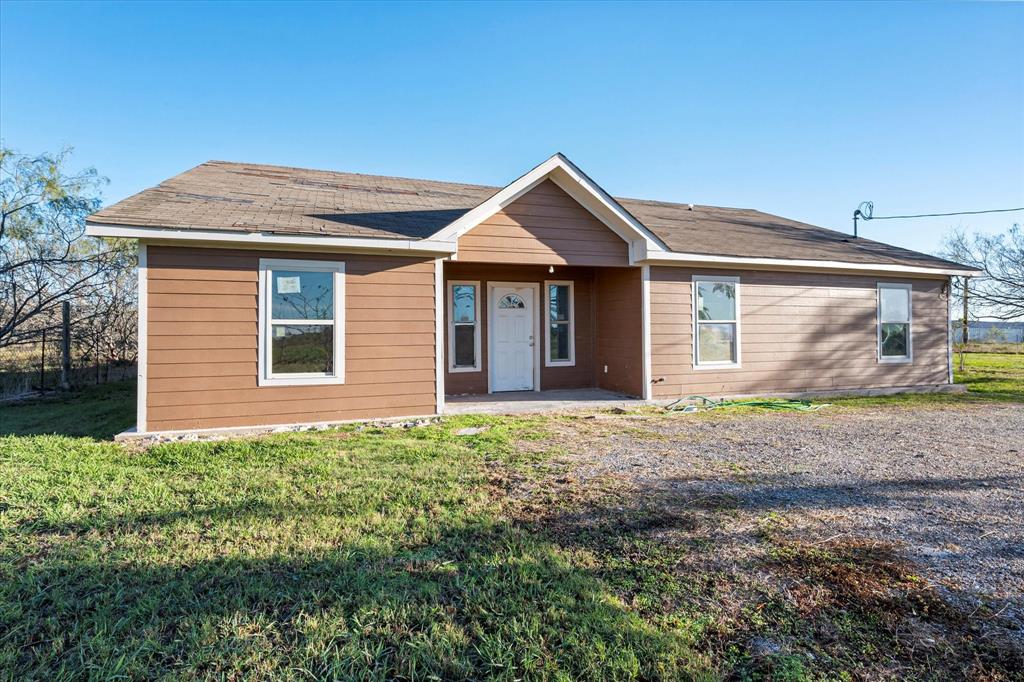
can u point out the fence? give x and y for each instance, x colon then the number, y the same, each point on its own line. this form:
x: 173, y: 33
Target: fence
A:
x: 991, y: 332
x: 41, y: 361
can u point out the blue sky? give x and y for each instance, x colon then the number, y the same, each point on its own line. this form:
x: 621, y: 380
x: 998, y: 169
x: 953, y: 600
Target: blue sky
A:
x: 802, y: 109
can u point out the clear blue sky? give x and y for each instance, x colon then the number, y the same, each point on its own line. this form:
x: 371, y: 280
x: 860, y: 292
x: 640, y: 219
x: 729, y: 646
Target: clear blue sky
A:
x: 799, y: 109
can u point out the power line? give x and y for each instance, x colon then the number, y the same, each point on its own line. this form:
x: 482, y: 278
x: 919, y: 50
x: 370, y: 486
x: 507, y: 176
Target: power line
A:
x: 867, y: 211
x: 939, y: 215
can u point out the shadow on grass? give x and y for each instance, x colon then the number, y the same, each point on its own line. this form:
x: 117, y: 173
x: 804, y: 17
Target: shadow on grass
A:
x: 479, y: 600
x: 99, y: 412
x: 842, y: 604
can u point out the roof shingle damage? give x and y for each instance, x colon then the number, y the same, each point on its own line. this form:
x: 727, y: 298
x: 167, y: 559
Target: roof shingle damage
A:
x: 220, y: 195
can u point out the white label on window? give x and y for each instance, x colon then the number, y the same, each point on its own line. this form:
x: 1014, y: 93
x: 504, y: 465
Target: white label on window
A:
x: 279, y: 332
x: 288, y: 285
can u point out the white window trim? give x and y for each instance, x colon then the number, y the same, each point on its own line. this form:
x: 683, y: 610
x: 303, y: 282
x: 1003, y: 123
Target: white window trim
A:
x: 451, y: 326
x: 895, y: 359
x: 697, y: 364
x: 548, y: 362
x: 265, y: 377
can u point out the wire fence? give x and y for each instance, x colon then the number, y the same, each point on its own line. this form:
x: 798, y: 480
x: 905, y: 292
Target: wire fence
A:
x: 40, y: 360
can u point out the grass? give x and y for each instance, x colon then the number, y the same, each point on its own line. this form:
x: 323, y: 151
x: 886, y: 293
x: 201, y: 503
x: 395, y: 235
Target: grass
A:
x: 95, y: 412
x: 369, y: 554
x: 392, y: 553
x: 987, y: 376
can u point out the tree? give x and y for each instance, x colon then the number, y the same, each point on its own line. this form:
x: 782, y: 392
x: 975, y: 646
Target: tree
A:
x: 44, y: 258
x: 999, y: 292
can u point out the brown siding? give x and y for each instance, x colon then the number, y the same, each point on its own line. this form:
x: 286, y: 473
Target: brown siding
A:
x: 545, y: 226
x: 619, y: 338
x: 798, y: 331
x: 203, y: 341
x: 581, y: 375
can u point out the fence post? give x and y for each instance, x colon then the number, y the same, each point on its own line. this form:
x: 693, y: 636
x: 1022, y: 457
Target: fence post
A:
x: 65, y: 354
x: 42, y: 363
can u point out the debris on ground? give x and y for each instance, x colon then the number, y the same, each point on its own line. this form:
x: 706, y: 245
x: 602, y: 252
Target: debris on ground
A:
x: 471, y: 430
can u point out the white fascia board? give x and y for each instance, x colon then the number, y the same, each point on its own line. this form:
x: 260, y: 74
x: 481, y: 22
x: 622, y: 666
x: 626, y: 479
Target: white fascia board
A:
x: 270, y: 240
x: 577, y: 185
x: 673, y: 258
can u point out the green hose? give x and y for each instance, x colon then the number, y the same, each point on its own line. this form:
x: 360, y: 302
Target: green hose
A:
x: 766, y: 403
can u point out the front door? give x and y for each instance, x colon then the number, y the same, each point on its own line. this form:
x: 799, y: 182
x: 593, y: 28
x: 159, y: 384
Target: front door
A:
x: 511, y: 348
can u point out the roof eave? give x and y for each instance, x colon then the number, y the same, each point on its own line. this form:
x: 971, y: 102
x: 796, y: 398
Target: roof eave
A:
x: 676, y: 258
x: 213, y: 237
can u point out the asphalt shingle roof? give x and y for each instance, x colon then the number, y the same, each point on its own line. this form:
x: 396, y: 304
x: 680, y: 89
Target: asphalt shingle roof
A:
x: 220, y: 195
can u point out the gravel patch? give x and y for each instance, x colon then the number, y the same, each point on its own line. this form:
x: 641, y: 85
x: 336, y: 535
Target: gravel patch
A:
x: 945, y: 484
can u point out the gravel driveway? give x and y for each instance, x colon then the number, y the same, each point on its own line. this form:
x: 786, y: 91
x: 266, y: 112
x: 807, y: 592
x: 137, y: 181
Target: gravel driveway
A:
x: 944, y: 484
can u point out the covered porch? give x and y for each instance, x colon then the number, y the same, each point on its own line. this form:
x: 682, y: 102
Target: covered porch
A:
x: 537, y: 337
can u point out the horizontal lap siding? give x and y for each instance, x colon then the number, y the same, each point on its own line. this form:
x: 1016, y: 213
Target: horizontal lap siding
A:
x: 619, y: 337
x: 203, y: 340
x: 580, y: 375
x: 543, y: 227
x: 797, y: 332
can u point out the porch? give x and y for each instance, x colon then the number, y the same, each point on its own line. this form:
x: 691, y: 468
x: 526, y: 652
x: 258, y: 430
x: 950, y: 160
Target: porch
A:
x: 522, y: 402
x: 534, y: 337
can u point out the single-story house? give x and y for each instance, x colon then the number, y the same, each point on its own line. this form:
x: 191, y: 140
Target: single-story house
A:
x: 272, y: 295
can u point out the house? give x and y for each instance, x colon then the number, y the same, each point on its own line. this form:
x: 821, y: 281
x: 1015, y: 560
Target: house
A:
x: 272, y: 295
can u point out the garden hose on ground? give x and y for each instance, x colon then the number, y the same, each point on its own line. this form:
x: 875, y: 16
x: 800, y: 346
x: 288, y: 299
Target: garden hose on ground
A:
x: 766, y: 403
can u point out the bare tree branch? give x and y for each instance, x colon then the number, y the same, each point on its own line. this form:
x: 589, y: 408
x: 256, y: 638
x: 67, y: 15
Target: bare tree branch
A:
x: 999, y: 292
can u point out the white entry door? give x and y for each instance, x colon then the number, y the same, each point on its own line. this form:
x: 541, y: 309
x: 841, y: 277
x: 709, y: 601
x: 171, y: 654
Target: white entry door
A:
x: 511, y: 349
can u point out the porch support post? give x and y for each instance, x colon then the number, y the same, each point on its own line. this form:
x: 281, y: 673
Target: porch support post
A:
x: 646, y: 328
x: 439, y: 333
x: 142, y: 341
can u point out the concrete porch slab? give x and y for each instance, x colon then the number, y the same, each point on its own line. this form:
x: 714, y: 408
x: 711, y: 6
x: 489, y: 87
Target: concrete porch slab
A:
x: 521, y: 402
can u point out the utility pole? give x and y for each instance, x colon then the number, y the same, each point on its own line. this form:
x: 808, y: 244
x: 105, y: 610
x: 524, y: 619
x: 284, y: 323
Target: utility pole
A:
x: 966, y: 335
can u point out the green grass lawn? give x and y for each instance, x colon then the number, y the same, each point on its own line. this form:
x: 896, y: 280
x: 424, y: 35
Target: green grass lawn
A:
x: 357, y: 553
x: 987, y: 376
x: 999, y: 376
x: 374, y: 554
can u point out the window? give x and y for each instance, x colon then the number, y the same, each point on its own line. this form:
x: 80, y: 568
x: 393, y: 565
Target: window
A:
x: 511, y: 301
x: 894, y: 326
x: 561, y: 324
x: 716, y: 321
x: 302, y: 322
x: 463, y: 326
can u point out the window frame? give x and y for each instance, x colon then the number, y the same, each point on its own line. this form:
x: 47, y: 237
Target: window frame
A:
x: 724, y: 279
x: 548, y: 361
x: 265, y: 376
x: 895, y: 359
x: 478, y: 366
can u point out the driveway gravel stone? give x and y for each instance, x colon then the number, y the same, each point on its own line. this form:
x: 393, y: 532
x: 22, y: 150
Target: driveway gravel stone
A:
x: 945, y: 483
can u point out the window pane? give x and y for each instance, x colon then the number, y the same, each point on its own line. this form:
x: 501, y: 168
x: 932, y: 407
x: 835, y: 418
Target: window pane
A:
x: 558, y: 302
x: 717, y: 342
x: 465, y: 345
x: 894, y: 339
x: 716, y: 300
x: 511, y: 301
x: 302, y: 348
x: 558, y: 344
x: 895, y: 304
x: 299, y: 295
x: 464, y: 303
